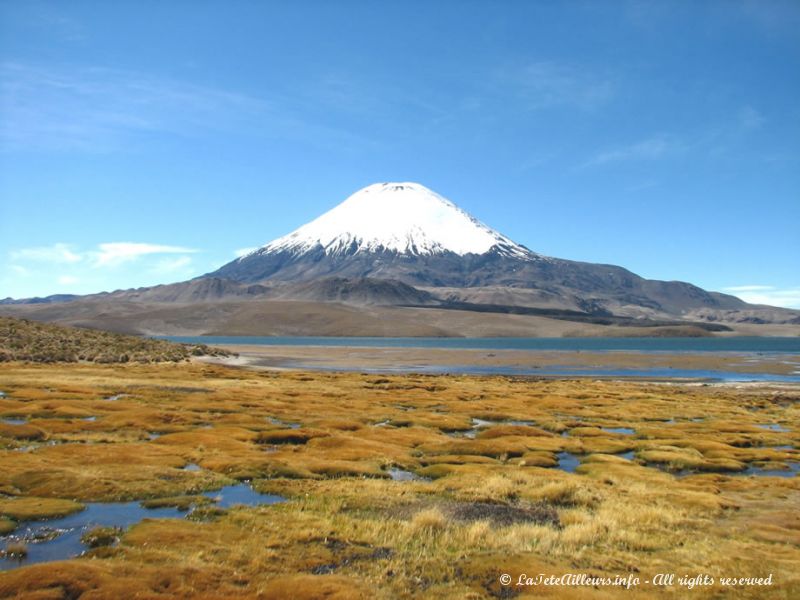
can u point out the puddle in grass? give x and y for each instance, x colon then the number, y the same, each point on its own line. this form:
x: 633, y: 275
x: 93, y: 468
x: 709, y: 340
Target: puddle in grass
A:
x: 774, y: 427
x: 402, y: 475
x: 793, y: 470
x: 275, y: 421
x: 567, y: 462
x: 478, y: 424
x: 620, y: 430
x: 60, y: 539
x: 192, y: 467
x: 14, y: 421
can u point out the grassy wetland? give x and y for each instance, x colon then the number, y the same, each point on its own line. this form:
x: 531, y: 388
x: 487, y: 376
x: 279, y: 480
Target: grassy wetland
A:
x: 396, y: 486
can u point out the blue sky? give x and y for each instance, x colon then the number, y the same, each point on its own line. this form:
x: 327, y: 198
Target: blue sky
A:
x: 145, y: 143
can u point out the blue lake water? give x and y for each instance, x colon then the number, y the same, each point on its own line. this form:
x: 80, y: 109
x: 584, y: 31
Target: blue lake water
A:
x: 751, y: 349
x: 729, y: 344
x: 557, y: 371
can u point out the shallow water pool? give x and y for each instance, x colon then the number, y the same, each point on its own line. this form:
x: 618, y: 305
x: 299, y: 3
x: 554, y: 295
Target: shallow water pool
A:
x: 60, y: 539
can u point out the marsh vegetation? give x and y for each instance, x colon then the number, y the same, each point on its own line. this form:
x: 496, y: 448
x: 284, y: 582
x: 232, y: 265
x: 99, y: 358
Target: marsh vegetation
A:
x: 21, y: 339
x: 653, y: 478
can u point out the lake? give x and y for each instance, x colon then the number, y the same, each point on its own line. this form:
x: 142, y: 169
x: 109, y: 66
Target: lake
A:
x: 769, y: 345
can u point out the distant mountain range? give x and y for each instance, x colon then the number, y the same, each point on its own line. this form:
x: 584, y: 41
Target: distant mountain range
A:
x: 425, y: 267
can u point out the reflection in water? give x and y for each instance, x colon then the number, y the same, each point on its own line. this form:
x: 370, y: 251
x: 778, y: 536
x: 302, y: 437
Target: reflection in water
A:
x: 402, y: 475
x: 620, y: 430
x: 774, y: 427
x: 567, y: 461
x: 59, y: 539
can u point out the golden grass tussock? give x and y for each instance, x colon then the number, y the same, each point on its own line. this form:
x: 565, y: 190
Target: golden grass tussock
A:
x: 291, y: 436
x: 7, y: 525
x: 457, y: 459
x: 568, y: 493
x: 538, y: 459
x: 101, y: 536
x: 512, y: 430
x: 326, y: 441
x: 428, y: 521
x: 310, y: 587
x: 33, y: 509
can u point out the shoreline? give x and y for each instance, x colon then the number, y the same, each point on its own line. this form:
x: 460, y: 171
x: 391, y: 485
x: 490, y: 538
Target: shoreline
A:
x: 560, y: 363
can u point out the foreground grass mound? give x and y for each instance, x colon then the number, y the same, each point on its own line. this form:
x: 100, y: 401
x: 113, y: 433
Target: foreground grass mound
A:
x: 21, y: 339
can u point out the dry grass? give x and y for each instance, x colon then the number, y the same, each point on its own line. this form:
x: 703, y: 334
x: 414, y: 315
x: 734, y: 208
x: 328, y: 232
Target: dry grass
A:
x: 347, y: 531
x: 33, y: 509
x: 21, y: 339
x: 101, y: 536
x: 7, y: 525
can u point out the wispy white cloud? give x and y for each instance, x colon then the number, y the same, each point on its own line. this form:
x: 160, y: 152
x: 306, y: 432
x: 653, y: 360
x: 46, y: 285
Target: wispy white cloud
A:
x: 767, y: 294
x: 20, y: 270
x: 115, y: 253
x: 100, y: 110
x: 641, y: 186
x: 179, y: 264
x: 715, y: 140
x: 652, y: 148
x: 109, y: 254
x: 544, y: 84
x: 244, y: 251
x: 56, y: 253
x: 57, y: 22
x: 750, y: 118
x: 44, y: 270
x: 774, y: 16
x: 749, y: 288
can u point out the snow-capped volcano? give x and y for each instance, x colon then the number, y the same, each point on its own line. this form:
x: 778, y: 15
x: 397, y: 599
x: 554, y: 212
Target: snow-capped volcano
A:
x: 403, y: 234
x: 404, y: 246
x: 405, y: 218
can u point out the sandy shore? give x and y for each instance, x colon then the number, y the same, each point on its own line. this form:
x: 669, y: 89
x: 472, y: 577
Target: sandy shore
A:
x: 408, y: 359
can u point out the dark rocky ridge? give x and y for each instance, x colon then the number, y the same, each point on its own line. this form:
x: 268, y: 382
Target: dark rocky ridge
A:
x: 583, y: 286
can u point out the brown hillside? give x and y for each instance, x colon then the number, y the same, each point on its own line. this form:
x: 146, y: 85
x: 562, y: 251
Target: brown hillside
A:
x: 21, y: 339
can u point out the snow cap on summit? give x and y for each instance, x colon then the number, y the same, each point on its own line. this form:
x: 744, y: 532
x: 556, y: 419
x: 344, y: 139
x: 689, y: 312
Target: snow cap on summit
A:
x: 407, y: 218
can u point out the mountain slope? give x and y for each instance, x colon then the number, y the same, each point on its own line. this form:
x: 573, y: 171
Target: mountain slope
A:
x: 406, y: 232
